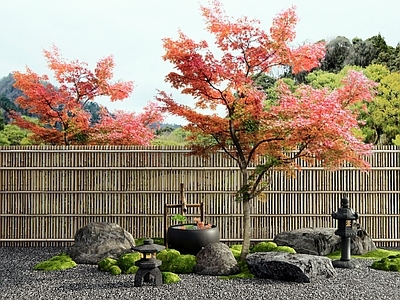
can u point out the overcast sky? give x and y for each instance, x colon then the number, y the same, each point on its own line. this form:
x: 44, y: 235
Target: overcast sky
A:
x: 132, y: 30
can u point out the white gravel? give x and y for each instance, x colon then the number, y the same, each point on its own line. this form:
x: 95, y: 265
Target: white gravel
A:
x: 19, y: 281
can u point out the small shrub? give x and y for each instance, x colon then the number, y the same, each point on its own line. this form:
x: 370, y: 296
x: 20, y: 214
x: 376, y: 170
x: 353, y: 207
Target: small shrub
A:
x: 264, y: 247
x: 106, y: 263
x: 173, y: 261
x: 56, y: 263
x: 169, y: 277
x: 115, y: 270
x: 127, y: 262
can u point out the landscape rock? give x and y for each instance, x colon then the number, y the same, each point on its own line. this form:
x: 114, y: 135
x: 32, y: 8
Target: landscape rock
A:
x: 99, y: 240
x: 289, y: 267
x: 362, y: 242
x: 314, y: 241
x: 216, y: 259
x: 323, y: 241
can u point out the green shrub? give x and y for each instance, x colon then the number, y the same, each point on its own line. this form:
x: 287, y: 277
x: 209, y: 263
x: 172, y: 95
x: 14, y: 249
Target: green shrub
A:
x: 169, y: 277
x: 106, y: 263
x: 264, y: 247
x: 126, y: 262
x: 115, y: 270
x: 173, y: 261
x: 56, y: 263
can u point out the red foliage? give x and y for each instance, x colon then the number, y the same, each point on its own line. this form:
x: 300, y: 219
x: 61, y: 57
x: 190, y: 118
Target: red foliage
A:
x: 60, y: 110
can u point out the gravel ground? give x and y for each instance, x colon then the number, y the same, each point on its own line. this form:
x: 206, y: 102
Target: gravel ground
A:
x: 19, y: 281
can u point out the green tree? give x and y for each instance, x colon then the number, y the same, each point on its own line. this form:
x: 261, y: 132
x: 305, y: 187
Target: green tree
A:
x: 337, y: 51
x: 13, y: 135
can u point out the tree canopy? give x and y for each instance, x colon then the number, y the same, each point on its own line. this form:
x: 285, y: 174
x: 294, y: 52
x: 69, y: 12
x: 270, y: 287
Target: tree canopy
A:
x: 313, y: 124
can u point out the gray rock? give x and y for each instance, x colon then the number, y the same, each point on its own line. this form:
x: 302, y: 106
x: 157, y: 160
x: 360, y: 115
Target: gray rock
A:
x: 216, y: 259
x: 314, y: 241
x: 322, y: 241
x: 290, y: 267
x: 362, y: 242
x: 99, y: 240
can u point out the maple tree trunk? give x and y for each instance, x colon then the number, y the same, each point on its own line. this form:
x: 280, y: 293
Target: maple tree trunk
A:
x: 246, y: 229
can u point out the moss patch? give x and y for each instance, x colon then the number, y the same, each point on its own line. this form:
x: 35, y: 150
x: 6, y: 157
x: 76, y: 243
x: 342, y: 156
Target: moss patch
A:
x: 173, y: 261
x: 376, y: 254
x: 106, y: 263
x: 169, y: 277
x: 264, y: 247
x: 56, y: 263
x: 390, y: 263
x: 125, y: 264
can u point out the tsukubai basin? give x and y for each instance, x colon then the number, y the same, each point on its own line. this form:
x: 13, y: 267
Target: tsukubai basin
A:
x: 191, y: 241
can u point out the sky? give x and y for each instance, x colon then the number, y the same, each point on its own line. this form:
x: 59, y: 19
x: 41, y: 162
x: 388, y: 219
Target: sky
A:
x: 132, y: 31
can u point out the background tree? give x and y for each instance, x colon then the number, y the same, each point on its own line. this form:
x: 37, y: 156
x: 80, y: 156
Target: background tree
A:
x: 315, y: 124
x: 61, y: 113
x: 337, y: 50
x: 127, y: 128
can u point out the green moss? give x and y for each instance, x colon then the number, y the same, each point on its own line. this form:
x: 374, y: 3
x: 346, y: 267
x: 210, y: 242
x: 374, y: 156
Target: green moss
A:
x: 244, y: 273
x: 264, y: 247
x: 285, y: 249
x: 115, y: 270
x: 376, y: 254
x: 56, y: 263
x: 180, y: 264
x: 132, y: 270
x: 390, y: 263
x: 127, y: 261
x: 169, y: 277
x: 236, y: 251
x: 106, y: 263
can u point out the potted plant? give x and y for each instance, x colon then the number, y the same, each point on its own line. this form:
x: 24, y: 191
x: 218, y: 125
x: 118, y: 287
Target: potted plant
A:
x: 190, y: 238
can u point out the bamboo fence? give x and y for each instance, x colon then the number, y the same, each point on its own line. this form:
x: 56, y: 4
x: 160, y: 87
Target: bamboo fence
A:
x: 48, y: 192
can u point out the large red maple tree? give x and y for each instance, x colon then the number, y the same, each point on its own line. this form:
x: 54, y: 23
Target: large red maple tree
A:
x: 62, y: 118
x: 311, y: 124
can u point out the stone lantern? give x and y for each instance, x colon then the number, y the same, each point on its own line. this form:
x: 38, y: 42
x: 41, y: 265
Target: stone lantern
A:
x: 148, y: 264
x: 345, y: 216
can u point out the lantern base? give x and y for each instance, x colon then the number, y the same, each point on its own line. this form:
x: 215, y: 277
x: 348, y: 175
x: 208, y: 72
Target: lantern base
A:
x: 152, y: 276
x: 346, y: 264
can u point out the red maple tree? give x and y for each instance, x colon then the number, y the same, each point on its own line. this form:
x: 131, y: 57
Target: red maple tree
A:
x: 62, y: 118
x: 310, y: 124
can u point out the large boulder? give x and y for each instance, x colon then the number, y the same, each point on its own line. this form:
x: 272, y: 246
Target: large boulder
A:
x: 216, y: 259
x: 314, y: 241
x: 289, y: 267
x: 99, y: 240
x: 322, y: 241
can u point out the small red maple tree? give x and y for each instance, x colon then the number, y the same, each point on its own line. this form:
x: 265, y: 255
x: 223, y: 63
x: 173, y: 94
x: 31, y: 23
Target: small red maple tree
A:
x: 60, y: 110
x: 311, y: 124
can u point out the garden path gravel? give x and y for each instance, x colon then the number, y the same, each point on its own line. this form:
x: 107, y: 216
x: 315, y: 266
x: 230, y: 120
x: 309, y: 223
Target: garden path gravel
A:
x: 19, y: 281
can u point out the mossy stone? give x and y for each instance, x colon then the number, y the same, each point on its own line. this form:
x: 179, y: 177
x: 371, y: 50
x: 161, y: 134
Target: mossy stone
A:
x: 169, y: 277
x: 56, y: 263
x: 106, y: 263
